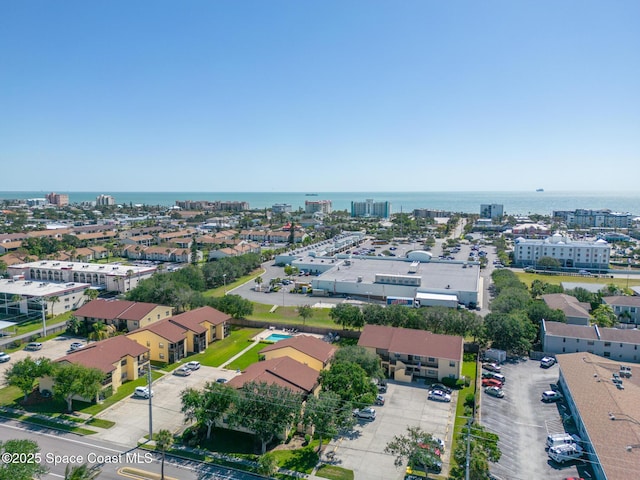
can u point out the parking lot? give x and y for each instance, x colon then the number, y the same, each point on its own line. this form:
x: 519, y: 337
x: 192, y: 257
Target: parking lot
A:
x: 405, y: 406
x: 523, y: 422
x: 132, y: 414
x: 51, y: 349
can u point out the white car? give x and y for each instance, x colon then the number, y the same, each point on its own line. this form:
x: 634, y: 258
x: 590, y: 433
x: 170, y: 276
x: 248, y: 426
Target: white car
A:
x: 4, y: 357
x: 551, y: 396
x: 565, y: 453
x: 193, y: 365
x: 439, y: 396
x: 366, y: 413
x: 143, y: 392
x: 547, y: 362
x: 183, y: 371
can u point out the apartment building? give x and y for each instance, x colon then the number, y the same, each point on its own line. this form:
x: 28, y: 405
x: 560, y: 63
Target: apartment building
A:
x: 587, y: 218
x: 570, y: 253
x: 369, y: 208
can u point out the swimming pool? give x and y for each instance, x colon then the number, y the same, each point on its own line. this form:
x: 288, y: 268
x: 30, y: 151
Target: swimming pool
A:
x: 276, y: 337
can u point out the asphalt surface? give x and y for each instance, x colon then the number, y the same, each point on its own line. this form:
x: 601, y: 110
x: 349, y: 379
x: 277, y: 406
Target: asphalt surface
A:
x: 406, y: 405
x: 523, y: 421
x: 59, y: 449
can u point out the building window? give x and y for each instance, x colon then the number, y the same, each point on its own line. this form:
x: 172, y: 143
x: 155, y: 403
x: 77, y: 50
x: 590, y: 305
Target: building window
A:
x: 607, y: 344
x: 452, y: 363
x: 564, y: 340
x: 607, y: 354
x: 431, y: 359
x: 589, y: 342
x: 123, y: 362
x: 161, y: 345
x: 162, y: 356
x: 432, y: 372
x: 563, y: 349
x: 158, y: 316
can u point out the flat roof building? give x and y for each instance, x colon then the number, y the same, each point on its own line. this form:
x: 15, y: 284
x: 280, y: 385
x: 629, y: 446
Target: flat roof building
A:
x: 26, y: 298
x: 569, y: 253
x: 607, y: 417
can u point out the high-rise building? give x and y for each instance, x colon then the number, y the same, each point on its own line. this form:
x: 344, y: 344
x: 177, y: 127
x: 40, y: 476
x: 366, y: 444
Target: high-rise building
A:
x: 491, y: 210
x: 313, y: 206
x: 369, y: 208
x: 105, y: 200
x: 58, y: 199
x: 281, y: 208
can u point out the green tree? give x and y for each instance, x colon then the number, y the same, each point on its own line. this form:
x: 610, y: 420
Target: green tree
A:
x: 603, y: 316
x: 234, y: 305
x: 74, y: 326
x: 416, y: 448
x: 99, y: 331
x: 24, y: 373
x: 346, y: 315
x: 53, y: 299
x: 350, y: 382
x: 3, y: 267
x: 268, y: 410
x: 548, y: 263
x: 511, y: 299
x: 369, y: 361
x: 326, y: 413
x: 164, y: 440
x: 267, y: 464
x: 539, y: 310
x: 91, y: 293
x: 72, y: 379
x: 81, y: 472
x: 208, y: 405
x: 512, y: 332
x: 21, y: 470
x: 483, y: 450
x: 305, y: 311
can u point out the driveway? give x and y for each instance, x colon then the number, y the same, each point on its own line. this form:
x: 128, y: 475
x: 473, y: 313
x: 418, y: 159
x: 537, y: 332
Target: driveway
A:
x: 406, y: 405
x: 52, y: 349
x: 132, y: 414
x: 523, y: 422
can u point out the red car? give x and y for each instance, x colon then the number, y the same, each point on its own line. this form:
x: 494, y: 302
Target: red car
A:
x: 491, y: 382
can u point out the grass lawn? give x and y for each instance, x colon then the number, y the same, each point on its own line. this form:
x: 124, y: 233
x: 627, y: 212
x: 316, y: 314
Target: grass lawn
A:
x: 469, y: 371
x: 48, y: 423
x: 220, y: 352
x: 229, y: 441
x: 301, y: 460
x: 289, y: 315
x: 220, y: 291
x: 125, y: 390
x: 334, y: 473
x: 249, y: 358
x: 528, y: 278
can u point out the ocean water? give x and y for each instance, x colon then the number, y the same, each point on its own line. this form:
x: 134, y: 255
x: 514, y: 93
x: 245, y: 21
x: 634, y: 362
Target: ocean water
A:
x: 467, y: 202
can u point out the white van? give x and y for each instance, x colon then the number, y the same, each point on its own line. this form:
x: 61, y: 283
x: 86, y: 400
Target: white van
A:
x: 556, y: 439
x: 565, y: 453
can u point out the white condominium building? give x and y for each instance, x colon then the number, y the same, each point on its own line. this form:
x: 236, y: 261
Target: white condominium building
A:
x: 569, y: 253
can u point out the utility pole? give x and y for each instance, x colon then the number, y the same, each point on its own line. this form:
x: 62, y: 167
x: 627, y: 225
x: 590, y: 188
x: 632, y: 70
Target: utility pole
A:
x: 150, y: 397
x: 466, y: 468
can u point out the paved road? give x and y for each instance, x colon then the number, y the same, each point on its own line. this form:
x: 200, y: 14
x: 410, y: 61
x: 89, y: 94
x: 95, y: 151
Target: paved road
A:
x: 60, y: 449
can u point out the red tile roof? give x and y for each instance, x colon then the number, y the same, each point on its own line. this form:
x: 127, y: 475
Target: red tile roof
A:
x: 105, y: 353
x: 112, y: 309
x: 283, y: 371
x: 412, y: 342
x: 202, y: 314
x: 311, y: 346
x: 165, y: 329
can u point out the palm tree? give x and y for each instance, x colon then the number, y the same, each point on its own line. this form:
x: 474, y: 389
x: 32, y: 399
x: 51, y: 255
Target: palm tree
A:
x: 100, y: 332
x: 129, y: 275
x: 81, y: 472
x: 53, y: 299
x: 258, y: 281
x: 91, y: 293
x: 164, y: 440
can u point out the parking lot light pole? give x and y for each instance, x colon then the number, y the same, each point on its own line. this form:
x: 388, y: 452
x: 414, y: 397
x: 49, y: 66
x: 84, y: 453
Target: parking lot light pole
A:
x: 224, y: 282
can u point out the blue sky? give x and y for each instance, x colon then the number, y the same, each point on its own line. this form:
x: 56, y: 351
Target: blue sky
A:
x: 341, y: 95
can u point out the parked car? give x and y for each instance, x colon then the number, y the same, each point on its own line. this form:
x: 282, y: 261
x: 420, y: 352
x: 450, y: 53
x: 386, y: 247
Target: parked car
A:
x: 4, y: 357
x: 492, y: 367
x: 75, y: 346
x: 33, y: 346
x: 221, y: 380
x: 143, y: 392
x: 365, y: 413
x: 379, y: 400
x: 494, y: 392
x: 193, y: 365
x: 382, y: 388
x: 491, y: 382
x: 183, y: 371
x: 547, y: 362
x: 497, y: 376
x: 441, y: 387
x: 551, y: 396
x: 557, y: 439
x: 565, y: 453
x: 439, y: 396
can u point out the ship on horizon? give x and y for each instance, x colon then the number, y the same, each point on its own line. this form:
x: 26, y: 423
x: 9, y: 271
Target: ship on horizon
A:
x: 539, y: 189
x: 311, y: 194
